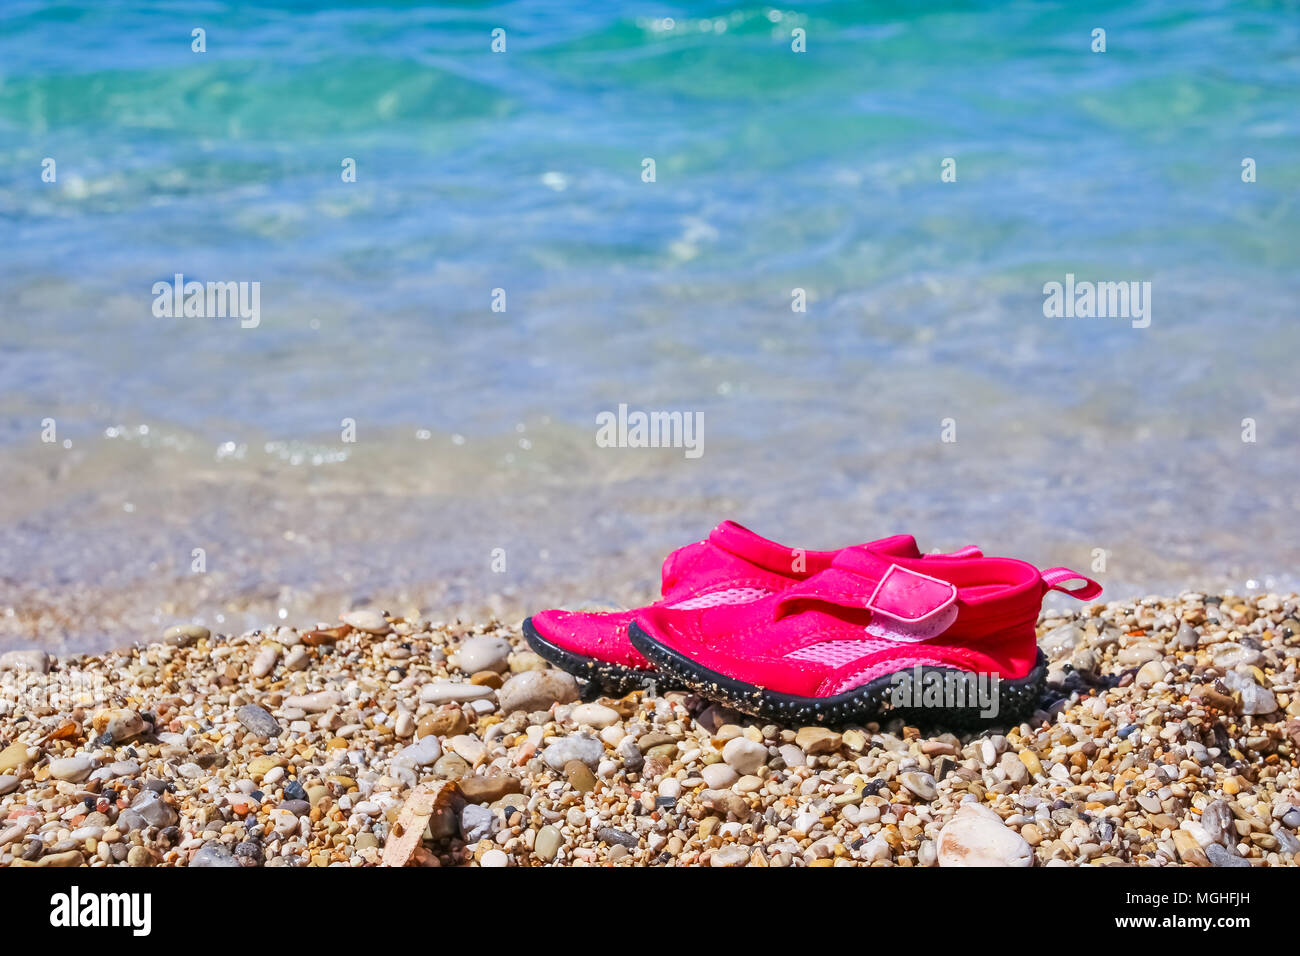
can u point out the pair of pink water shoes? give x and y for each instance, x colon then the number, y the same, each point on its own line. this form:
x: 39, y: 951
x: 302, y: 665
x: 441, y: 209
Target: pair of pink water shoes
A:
x: 824, y: 636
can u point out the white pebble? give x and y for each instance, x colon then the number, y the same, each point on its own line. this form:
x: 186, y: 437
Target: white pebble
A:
x: 719, y: 776
x: 594, y: 715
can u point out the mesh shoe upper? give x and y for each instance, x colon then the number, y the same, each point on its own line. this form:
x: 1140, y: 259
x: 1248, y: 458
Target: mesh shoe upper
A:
x: 868, y: 615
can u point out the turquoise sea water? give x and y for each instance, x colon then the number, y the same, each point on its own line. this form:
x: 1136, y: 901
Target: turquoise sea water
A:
x: 522, y: 171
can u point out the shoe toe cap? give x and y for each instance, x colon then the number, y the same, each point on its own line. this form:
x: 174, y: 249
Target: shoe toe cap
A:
x: 599, y: 635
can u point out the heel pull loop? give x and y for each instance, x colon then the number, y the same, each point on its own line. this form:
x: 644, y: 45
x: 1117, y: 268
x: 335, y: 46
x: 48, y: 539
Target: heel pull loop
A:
x: 1055, y: 579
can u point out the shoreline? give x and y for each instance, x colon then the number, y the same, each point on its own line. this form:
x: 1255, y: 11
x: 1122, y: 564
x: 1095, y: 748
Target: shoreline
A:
x: 1169, y: 737
x: 112, y: 540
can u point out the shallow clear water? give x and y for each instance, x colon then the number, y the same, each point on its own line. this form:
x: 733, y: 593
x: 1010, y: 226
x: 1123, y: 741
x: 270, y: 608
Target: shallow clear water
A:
x: 522, y: 171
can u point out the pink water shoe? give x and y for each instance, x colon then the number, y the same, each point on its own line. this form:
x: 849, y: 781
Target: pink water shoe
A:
x: 943, y: 637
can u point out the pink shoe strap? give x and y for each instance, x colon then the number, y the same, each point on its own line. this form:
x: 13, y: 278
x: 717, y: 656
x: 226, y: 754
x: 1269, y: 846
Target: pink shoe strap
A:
x: 970, y: 551
x: 911, y: 597
x: 832, y: 586
x: 906, y: 603
x: 1055, y: 578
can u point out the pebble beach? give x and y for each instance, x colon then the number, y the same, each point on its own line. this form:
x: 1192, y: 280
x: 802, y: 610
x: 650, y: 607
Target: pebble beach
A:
x: 1168, y: 736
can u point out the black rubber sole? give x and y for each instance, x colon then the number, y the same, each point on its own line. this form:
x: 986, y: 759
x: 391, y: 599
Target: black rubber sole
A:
x: 615, y: 680
x: 875, y: 700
